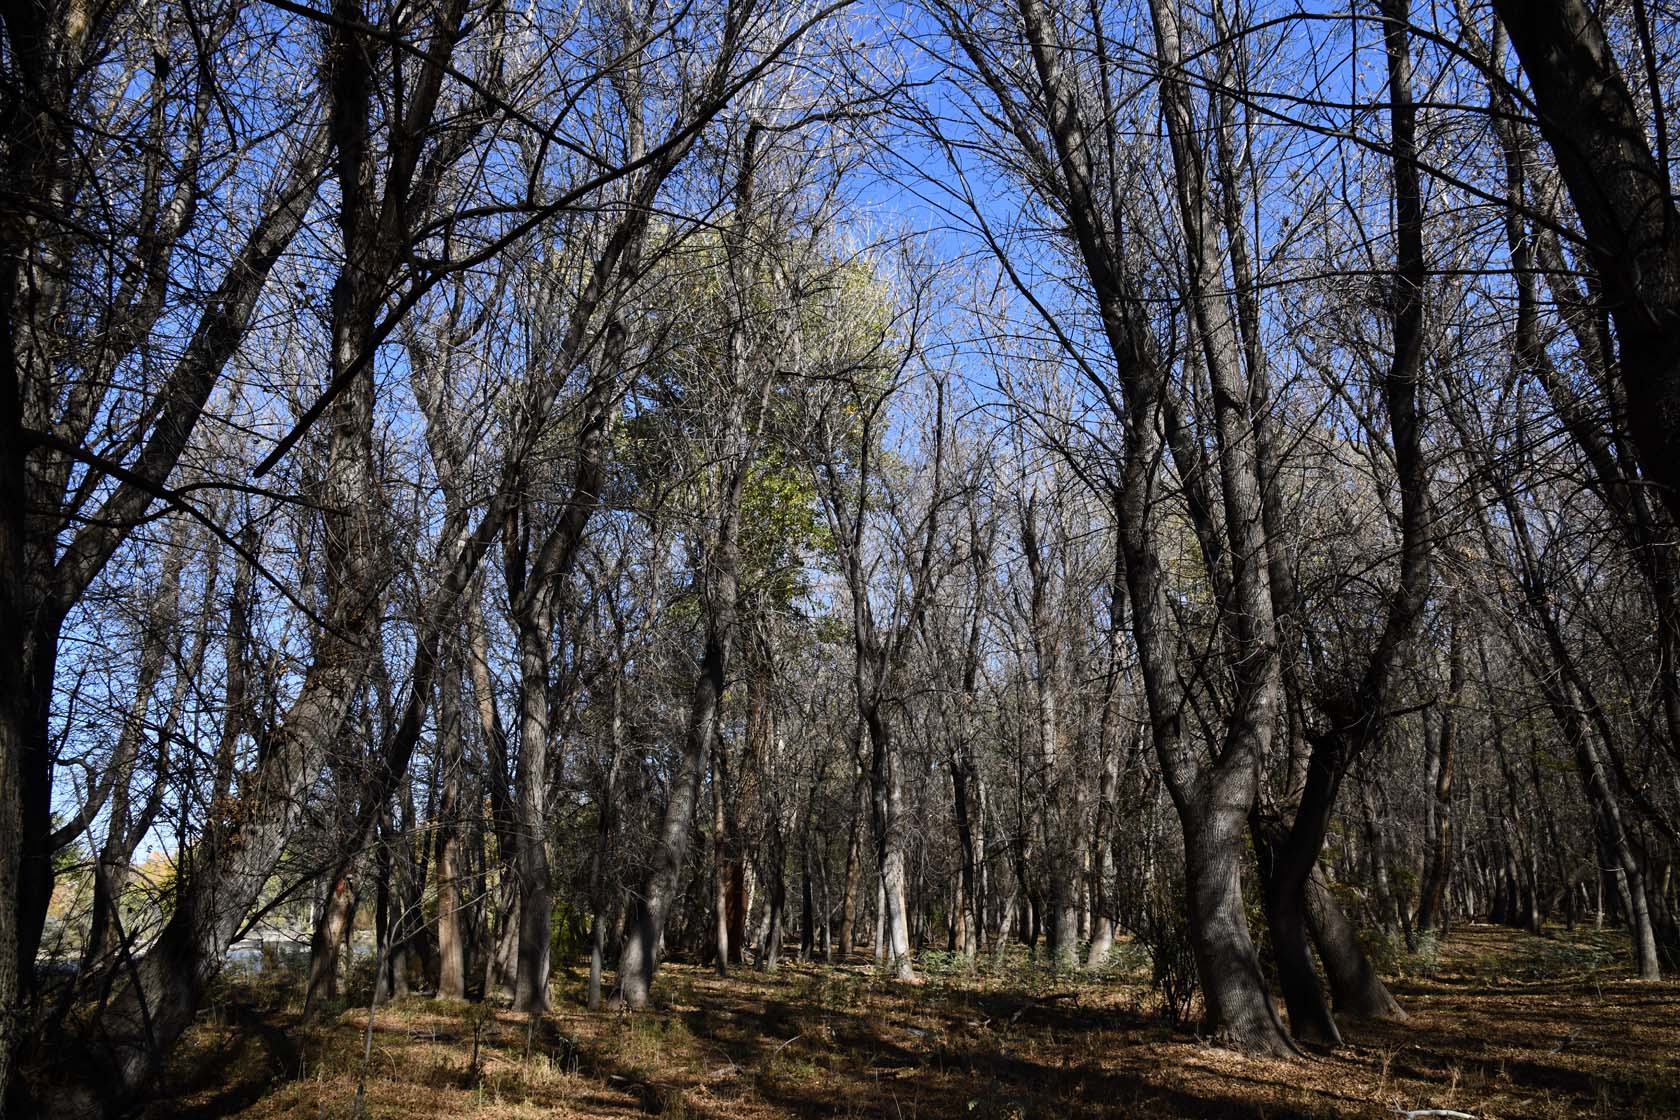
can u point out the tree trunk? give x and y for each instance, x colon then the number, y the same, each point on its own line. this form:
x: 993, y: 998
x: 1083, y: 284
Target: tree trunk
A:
x: 451, y: 939
x: 967, y: 916
x: 1621, y: 192
x: 1355, y: 987
x: 536, y: 891
x: 638, y: 958
x: 1629, y: 881
x: 851, y: 892
x: 887, y: 801
x: 1438, y: 864
x: 1310, y: 1020
x: 1239, y: 1007
x: 720, y: 866
x: 332, y: 930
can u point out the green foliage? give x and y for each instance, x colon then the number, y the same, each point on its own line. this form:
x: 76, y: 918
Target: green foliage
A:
x: 781, y: 523
x: 569, y: 933
x: 1390, y: 955
x: 1126, y: 959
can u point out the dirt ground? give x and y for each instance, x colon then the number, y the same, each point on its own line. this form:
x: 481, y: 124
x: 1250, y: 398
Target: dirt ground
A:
x: 1502, y: 1024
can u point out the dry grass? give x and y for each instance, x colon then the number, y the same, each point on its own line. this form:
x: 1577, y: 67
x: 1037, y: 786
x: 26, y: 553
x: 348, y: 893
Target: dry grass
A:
x: 1505, y: 1026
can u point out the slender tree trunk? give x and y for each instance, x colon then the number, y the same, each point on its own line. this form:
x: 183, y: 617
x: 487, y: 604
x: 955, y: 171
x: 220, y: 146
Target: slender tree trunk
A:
x: 888, y: 812
x: 531, y: 782
x: 607, y: 819
x: 966, y: 911
x: 451, y: 940
x: 332, y: 930
x: 851, y: 892
x: 638, y: 957
x: 1102, y: 910
x: 1625, y: 866
x: 720, y: 866
x: 1438, y: 865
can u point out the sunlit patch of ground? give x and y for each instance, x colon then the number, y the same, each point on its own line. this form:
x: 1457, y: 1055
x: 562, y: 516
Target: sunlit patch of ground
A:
x: 1504, y: 1025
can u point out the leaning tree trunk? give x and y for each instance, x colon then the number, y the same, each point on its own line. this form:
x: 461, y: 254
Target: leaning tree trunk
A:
x: 1625, y: 866
x: 1599, y: 137
x: 638, y: 958
x: 1355, y: 987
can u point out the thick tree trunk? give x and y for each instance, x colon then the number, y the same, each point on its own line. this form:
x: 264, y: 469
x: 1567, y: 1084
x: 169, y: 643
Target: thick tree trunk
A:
x: 1310, y: 1020
x: 1355, y: 988
x: 1239, y: 1007
x: 1214, y: 806
x: 12, y: 705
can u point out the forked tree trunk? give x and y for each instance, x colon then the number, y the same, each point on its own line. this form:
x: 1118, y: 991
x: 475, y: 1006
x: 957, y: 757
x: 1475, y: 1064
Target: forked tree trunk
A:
x: 1310, y: 1020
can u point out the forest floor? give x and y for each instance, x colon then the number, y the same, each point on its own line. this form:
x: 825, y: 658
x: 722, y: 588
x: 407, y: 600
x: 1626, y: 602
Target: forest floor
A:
x: 1502, y: 1024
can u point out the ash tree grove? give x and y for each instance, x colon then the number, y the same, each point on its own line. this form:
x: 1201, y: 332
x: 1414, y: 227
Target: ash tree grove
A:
x: 490, y: 490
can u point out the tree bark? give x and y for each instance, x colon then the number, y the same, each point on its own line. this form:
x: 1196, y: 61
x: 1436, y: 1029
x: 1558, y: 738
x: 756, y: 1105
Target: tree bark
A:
x: 451, y: 934
x: 1239, y: 1008
x: 637, y: 959
x: 1438, y: 863
x: 536, y: 893
x: 851, y: 892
